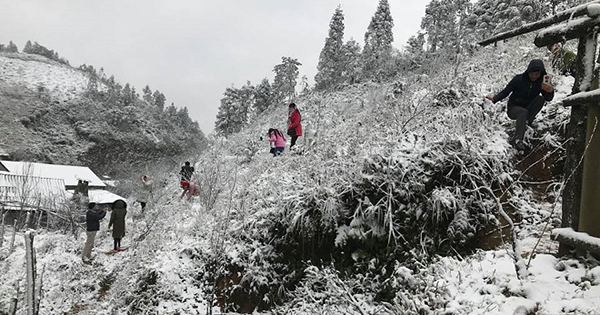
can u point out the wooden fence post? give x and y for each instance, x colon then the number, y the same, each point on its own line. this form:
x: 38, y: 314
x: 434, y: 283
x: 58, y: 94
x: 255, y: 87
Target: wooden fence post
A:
x: 31, y: 274
x: 571, y: 198
x: 589, y: 216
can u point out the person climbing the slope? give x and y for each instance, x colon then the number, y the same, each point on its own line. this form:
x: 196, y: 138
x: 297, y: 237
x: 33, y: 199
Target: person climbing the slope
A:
x: 277, y: 141
x: 186, y: 172
x: 190, y: 188
x: 528, y: 94
x: 146, y: 191
x: 294, y: 124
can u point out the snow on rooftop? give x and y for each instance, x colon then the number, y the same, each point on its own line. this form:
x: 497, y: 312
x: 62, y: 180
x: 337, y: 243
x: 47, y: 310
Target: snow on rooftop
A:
x: 69, y: 174
x: 101, y: 196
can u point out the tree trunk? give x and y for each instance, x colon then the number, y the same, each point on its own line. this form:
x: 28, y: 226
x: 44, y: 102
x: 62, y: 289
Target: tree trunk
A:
x: 576, y: 129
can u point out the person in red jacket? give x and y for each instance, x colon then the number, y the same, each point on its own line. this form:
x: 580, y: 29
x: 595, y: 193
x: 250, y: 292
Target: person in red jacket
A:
x: 190, y: 188
x: 294, y: 124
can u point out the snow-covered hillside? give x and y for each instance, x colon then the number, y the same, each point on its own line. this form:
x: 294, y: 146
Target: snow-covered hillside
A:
x: 36, y: 72
x: 395, y: 202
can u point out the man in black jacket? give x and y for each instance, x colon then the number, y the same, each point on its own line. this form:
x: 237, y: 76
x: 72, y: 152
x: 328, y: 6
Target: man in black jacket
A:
x: 92, y: 220
x: 186, y: 172
x: 528, y: 93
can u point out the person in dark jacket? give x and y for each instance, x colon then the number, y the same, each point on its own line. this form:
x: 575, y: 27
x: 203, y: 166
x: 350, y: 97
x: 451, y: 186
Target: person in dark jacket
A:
x: 92, y: 221
x: 528, y: 94
x: 117, y: 221
x: 186, y: 172
x: 294, y: 124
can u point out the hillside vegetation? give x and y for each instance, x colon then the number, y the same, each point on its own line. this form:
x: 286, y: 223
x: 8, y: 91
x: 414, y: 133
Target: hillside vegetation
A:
x: 54, y: 113
x: 403, y: 196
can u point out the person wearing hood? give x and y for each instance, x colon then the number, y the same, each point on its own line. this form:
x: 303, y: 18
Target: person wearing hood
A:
x: 528, y: 94
x: 117, y: 221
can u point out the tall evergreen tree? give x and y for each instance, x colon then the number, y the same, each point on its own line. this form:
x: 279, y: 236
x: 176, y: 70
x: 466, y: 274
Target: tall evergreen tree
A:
x: 378, y: 42
x: 232, y: 115
x: 11, y: 48
x: 147, y: 95
x: 159, y: 99
x: 330, y: 66
x: 28, y: 49
x: 286, y: 76
x: 262, y: 96
x: 351, y: 61
x: 126, y: 98
x: 444, y: 23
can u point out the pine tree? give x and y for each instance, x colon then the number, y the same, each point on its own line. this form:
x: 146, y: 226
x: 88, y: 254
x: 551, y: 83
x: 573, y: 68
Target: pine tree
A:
x: 126, y: 95
x: 159, y: 99
x: 232, y: 114
x: 351, y: 61
x: 444, y: 23
x: 246, y: 97
x: 262, y: 96
x: 28, y: 49
x: 12, y: 48
x: 415, y: 52
x: 330, y: 67
x: 171, y: 110
x: 183, y: 117
x: 147, y: 95
x: 286, y: 75
x: 378, y: 42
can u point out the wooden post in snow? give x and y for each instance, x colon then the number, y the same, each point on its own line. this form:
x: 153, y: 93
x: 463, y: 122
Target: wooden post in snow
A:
x: 589, y: 214
x: 30, y: 291
x: 2, y: 229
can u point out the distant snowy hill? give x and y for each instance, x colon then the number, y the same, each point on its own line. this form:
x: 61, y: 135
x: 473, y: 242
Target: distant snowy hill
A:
x: 36, y: 72
x: 52, y: 112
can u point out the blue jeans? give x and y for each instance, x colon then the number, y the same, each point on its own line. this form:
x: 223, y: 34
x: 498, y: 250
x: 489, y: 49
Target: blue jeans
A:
x: 277, y: 151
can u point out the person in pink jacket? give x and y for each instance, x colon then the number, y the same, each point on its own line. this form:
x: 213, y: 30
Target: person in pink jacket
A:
x: 277, y: 141
x: 294, y: 124
x: 190, y: 188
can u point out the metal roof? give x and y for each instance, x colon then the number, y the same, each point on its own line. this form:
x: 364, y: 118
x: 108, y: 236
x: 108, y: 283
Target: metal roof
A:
x: 69, y: 174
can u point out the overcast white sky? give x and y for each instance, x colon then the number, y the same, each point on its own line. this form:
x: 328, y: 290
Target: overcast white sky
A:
x: 191, y: 50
